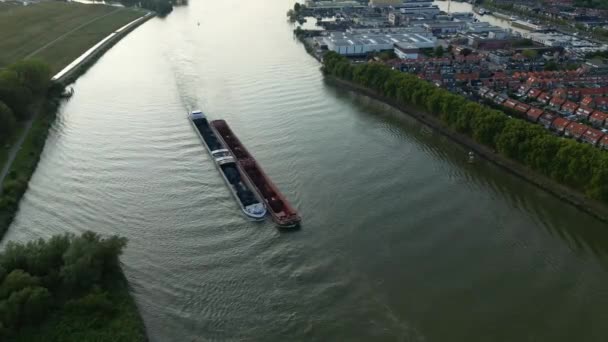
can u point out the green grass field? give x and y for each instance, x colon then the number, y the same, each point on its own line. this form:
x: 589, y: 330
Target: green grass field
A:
x: 56, y: 32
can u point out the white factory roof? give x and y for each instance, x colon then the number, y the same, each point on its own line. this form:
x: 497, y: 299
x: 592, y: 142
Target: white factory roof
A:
x: 342, y: 38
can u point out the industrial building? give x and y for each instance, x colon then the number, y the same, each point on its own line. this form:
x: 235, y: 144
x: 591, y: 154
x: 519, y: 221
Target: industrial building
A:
x: 361, y: 43
x: 333, y: 4
x: 385, y: 3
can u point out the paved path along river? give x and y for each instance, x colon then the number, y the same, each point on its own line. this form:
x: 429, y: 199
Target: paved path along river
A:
x: 402, y: 239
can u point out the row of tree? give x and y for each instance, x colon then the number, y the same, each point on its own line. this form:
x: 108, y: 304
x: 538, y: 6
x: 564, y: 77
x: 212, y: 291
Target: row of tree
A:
x: 577, y: 165
x: 64, y: 273
x: 162, y: 7
x: 20, y: 84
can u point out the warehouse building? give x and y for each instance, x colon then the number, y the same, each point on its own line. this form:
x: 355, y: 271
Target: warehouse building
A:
x: 353, y: 44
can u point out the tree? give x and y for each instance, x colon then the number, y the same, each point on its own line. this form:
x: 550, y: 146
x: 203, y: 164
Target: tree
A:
x: 530, y: 54
x: 7, y: 122
x: 14, y: 94
x: 15, y: 281
x: 297, y: 7
x: 439, y: 51
x: 551, y: 66
x: 33, y: 74
x: 598, y: 186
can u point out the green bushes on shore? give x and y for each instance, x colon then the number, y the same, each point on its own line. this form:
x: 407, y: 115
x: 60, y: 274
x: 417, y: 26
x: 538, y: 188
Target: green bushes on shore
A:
x: 579, y: 166
x: 67, y: 288
x: 20, y: 84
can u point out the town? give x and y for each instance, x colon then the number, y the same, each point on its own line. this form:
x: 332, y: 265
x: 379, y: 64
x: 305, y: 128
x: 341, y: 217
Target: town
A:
x: 529, y: 68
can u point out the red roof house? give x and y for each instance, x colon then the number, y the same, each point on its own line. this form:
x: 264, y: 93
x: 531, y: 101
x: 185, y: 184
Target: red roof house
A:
x: 584, y: 112
x: 557, y: 102
x: 588, y: 101
x: 570, y: 107
x: 601, y: 103
x: 575, y: 130
x: 559, y: 125
x: 547, y: 119
x: 604, y: 142
x: 510, y: 103
x: 534, y: 113
x: 592, y: 136
x: 534, y: 93
x: 522, y: 108
x: 597, y: 119
x: 544, y: 98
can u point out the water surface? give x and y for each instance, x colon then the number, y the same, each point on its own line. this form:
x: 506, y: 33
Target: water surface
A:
x: 402, y: 239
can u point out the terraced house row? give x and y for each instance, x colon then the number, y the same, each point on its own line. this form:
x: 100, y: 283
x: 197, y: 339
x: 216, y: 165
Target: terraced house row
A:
x: 562, y: 117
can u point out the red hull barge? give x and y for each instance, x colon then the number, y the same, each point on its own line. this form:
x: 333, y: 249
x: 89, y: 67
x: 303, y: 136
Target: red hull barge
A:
x: 282, y: 212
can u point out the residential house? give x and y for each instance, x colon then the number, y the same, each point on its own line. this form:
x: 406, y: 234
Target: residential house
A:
x: 560, y: 92
x: 534, y: 113
x: 584, y: 112
x: 534, y: 93
x: 483, y: 91
x: 510, y: 103
x: 569, y: 107
x: 500, y: 99
x: 490, y: 95
x: 588, y: 101
x: 575, y: 130
x: 559, y: 125
x: 604, y: 142
x: 556, y: 102
x: 601, y: 103
x: 544, y: 98
x: 592, y: 136
x: 547, y: 119
x: 522, y: 108
x: 597, y: 119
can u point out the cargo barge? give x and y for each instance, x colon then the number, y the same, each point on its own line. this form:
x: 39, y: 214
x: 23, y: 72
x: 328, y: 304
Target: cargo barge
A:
x: 251, y: 204
x: 281, y: 211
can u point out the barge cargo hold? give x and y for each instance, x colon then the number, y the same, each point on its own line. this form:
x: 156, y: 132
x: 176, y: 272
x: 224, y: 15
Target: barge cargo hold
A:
x: 281, y: 211
x: 251, y: 204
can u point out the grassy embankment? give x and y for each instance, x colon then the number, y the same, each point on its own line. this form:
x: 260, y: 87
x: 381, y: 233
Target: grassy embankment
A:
x: 69, y: 293
x: 56, y: 33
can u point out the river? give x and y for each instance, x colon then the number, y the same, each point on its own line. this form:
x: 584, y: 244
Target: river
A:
x: 402, y: 239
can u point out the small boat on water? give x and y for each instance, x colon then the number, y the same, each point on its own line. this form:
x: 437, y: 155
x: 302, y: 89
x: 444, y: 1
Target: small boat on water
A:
x: 251, y: 204
x: 281, y: 211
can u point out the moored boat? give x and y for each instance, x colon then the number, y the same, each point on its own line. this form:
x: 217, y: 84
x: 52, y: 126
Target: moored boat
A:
x: 250, y: 203
x: 281, y: 211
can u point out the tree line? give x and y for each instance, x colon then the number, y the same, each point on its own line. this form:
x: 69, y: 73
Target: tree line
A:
x: 56, y: 283
x: 20, y: 84
x: 577, y: 165
x: 162, y: 7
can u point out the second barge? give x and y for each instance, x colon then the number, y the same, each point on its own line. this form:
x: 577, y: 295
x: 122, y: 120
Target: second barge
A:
x: 249, y: 202
x: 281, y: 211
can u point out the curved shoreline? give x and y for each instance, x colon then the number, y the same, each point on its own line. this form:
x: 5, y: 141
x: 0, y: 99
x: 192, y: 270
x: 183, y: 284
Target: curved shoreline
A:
x: 576, y: 198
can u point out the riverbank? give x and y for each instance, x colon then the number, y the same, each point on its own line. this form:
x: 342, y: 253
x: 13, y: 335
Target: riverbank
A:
x: 567, y: 194
x: 67, y: 288
x: 19, y: 170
